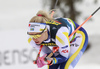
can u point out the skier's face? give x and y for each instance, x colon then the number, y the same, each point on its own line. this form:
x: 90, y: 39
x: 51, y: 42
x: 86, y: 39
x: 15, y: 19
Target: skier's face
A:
x: 38, y: 38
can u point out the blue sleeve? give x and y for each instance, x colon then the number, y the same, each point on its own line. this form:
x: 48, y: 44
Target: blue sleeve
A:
x: 59, y: 59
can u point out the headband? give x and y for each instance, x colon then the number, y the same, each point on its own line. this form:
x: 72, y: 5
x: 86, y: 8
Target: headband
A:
x: 39, y: 15
x: 36, y: 27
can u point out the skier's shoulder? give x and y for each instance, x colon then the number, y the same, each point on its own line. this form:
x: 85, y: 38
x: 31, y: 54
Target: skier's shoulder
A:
x: 61, y: 17
x: 67, y: 19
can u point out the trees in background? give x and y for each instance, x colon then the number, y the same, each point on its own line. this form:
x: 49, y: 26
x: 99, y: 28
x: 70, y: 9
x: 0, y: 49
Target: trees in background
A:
x: 66, y: 8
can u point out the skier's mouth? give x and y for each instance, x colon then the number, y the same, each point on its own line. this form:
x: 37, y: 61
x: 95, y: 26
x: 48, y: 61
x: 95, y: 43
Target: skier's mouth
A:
x: 37, y: 42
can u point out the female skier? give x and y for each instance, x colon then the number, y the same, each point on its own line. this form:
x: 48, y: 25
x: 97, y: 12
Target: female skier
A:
x: 52, y: 33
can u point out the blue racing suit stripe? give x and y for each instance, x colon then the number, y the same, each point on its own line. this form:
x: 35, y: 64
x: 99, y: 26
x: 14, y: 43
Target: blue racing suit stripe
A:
x: 86, y: 37
x: 59, y: 60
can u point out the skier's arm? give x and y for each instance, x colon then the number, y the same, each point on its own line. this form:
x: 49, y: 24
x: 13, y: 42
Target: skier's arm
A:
x: 62, y: 41
x: 44, y: 50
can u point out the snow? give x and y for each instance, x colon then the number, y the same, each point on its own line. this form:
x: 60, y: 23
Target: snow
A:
x: 89, y: 8
x: 14, y: 17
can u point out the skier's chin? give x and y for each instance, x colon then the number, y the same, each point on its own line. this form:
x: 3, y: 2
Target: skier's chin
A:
x: 38, y: 43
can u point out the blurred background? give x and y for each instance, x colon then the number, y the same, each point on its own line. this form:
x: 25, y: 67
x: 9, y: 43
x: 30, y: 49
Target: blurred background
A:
x: 16, y: 53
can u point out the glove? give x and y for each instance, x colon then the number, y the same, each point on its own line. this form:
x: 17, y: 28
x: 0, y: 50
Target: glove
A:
x: 48, y: 61
x: 41, y: 61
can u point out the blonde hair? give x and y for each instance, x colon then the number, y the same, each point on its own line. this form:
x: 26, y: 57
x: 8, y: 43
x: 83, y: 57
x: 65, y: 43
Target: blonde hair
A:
x: 41, y: 19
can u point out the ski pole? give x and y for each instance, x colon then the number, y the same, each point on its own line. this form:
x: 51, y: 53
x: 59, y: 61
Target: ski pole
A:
x: 35, y: 61
x: 76, y: 29
x: 56, y: 4
x: 53, y: 52
x: 84, y: 22
x: 54, y: 8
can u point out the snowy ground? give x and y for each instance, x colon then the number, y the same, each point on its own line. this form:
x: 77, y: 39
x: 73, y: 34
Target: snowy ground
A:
x: 91, y: 58
x: 14, y: 17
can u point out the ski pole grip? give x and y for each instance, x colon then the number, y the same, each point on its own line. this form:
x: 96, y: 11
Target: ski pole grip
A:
x: 50, y: 54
